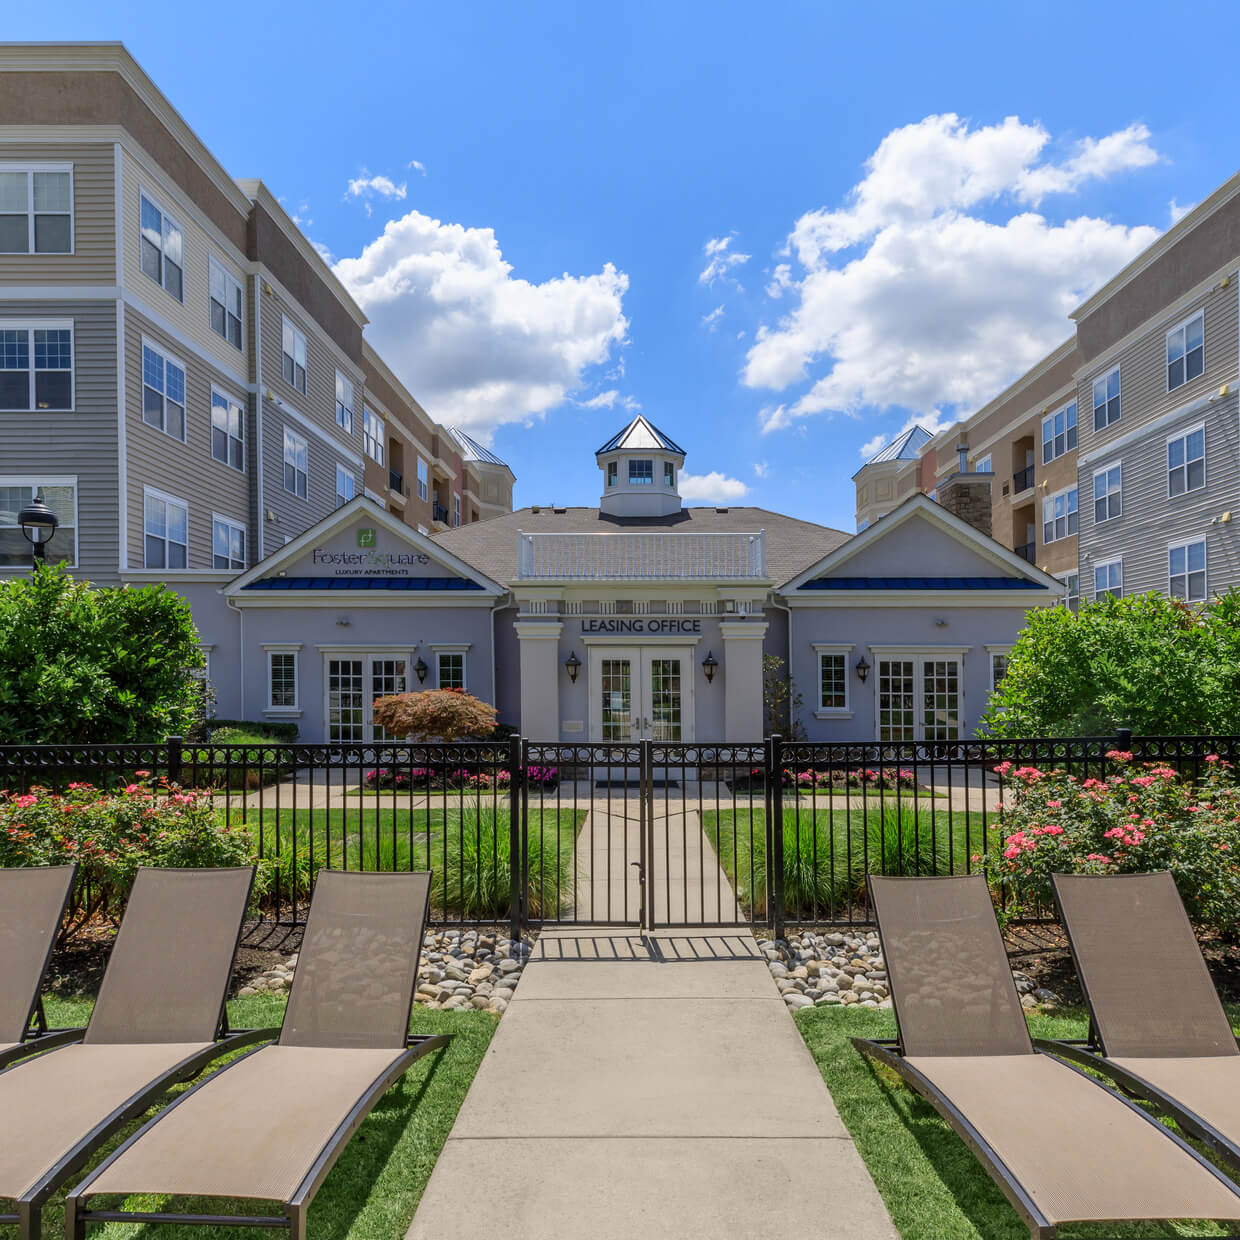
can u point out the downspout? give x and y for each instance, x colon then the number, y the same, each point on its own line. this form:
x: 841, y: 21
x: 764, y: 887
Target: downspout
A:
x: 232, y: 606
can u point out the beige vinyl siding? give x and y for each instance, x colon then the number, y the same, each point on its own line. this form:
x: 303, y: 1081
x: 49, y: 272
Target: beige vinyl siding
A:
x: 83, y: 442
x: 184, y: 470
x: 93, y: 260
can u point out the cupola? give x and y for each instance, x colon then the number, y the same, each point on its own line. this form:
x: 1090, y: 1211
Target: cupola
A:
x: 641, y: 472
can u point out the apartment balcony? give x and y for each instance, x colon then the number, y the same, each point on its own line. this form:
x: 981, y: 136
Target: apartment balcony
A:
x: 1022, y: 480
x: 1027, y: 551
x: 439, y: 514
x: 654, y: 556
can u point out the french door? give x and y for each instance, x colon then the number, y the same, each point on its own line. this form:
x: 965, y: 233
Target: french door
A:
x: 920, y: 698
x: 352, y: 684
x: 641, y: 694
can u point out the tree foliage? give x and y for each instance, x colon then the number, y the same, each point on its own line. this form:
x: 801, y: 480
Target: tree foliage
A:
x: 80, y: 665
x: 435, y: 715
x: 781, y: 702
x: 1145, y: 662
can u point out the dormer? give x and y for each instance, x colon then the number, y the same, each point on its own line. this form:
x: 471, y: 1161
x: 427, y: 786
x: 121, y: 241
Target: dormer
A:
x: 641, y: 472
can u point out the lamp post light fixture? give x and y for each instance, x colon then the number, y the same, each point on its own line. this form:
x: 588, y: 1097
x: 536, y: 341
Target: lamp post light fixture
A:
x: 710, y: 665
x: 421, y: 669
x: 38, y: 523
x: 863, y: 669
x: 572, y: 665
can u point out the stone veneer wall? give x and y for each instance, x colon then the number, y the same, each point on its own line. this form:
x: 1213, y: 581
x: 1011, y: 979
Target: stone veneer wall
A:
x: 968, y: 497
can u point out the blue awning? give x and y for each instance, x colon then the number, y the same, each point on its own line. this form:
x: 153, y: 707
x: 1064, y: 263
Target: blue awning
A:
x: 363, y: 583
x: 922, y: 583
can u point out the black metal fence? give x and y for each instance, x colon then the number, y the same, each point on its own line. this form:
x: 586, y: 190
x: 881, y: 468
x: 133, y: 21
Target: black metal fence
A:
x: 643, y: 834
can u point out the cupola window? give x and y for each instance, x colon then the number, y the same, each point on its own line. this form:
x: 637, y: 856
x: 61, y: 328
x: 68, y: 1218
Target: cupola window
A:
x: 613, y: 473
x: 669, y: 474
x: 641, y: 473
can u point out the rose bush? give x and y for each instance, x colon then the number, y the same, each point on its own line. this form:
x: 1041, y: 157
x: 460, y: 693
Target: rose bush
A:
x: 890, y: 778
x: 428, y: 779
x: 1139, y: 818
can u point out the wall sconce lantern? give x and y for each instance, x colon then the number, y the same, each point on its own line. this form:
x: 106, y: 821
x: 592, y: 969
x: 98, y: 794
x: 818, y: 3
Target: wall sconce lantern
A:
x: 572, y: 665
x: 421, y: 669
x: 710, y: 665
x: 863, y: 669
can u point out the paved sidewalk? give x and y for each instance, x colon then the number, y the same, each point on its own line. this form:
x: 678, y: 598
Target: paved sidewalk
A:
x: 642, y: 1086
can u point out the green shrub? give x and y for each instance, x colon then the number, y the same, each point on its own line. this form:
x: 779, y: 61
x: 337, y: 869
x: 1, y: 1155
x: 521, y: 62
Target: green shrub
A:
x: 245, y: 731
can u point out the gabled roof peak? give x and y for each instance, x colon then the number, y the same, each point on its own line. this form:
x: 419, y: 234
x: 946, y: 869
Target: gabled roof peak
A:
x: 640, y: 434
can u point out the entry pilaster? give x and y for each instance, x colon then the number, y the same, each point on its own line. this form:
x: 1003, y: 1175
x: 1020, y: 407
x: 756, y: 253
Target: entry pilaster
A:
x: 539, y: 642
x: 742, y: 679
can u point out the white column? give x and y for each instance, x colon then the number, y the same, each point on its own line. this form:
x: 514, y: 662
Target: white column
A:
x: 540, y: 678
x: 742, y: 679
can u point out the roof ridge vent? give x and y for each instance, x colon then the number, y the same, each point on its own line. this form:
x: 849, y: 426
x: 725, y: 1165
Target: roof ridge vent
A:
x: 559, y: 512
x: 722, y: 510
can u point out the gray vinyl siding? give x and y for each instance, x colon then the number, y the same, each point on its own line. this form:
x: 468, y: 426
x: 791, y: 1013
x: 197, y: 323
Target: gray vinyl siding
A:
x: 1151, y: 520
x: 187, y: 470
x: 93, y: 260
x: 293, y: 515
x: 81, y: 442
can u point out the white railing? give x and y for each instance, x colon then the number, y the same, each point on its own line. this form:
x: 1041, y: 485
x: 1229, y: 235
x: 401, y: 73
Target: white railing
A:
x: 664, y: 555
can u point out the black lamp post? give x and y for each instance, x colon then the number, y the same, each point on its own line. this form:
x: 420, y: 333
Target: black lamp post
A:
x: 38, y: 523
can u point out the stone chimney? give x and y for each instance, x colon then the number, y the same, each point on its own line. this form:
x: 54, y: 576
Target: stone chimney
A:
x: 967, y: 494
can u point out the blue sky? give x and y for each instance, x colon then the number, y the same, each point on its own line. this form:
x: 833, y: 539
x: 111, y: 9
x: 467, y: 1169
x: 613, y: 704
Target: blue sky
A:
x: 781, y: 231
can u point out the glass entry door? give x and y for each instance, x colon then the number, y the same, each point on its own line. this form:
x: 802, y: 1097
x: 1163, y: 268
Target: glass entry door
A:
x: 919, y: 699
x: 639, y: 694
x: 352, y: 684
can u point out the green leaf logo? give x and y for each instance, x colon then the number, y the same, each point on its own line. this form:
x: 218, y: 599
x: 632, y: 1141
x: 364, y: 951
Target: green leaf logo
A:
x: 365, y: 538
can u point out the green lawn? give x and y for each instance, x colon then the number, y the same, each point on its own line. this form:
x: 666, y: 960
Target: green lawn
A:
x: 373, y: 1190
x: 931, y: 1182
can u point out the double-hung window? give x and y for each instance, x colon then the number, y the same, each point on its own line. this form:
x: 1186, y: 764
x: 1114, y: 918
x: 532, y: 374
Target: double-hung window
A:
x: 832, y: 680
x: 1059, y: 432
x: 998, y: 667
x: 1108, y: 494
x: 227, y: 544
x: 985, y: 465
x: 1072, y: 591
x: 451, y: 669
x: 1186, y: 570
x: 163, y: 392
x: 1109, y: 578
x: 162, y: 248
x: 293, y: 358
x: 225, y: 305
x: 344, y: 403
x: 227, y: 430
x: 669, y: 474
x: 166, y: 526
x: 1186, y: 461
x: 1186, y: 351
x: 296, y: 463
x: 1106, y: 400
x: 641, y: 473
x: 344, y: 486
x: 613, y: 473
x: 456, y: 509
x: 281, y: 680
x: 1059, y: 516
x: 36, y: 366
x: 36, y: 209
x: 372, y: 435
x: 60, y: 495
x: 424, y: 486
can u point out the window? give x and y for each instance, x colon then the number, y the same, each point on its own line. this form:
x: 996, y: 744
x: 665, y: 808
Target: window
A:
x: 281, y: 680
x: 1059, y: 432
x: 1186, y: 571
x: 1072, y: 591
x: 451, y: 669
x: 36, y: 210
x: 984, y: 466
x: 163, y: 393
x: 1059, y: 516
x: 669, y: 474
x: 1108, y: 494
x: 167, y: 531
x: 1109, y: 578
x: 344, y: 486
x: 293, y: 360
x: 372, y: 435
x: 613, y: 473
x: 60, y: 495
x: 1106, y: 400
x: 344, y: 403
x: 424, y: 488
x: 641, y: 473
x: 832, y: 680
x: 1186, y: 351
x: 998, y: 667
x: 456, y: 509
x: 1186, y: 462
x: 162, y: 245
x: 225, y: 303
x: 36, y: 366
x: 296, y: 463
x: 227, y: 430
x: 227, y: 544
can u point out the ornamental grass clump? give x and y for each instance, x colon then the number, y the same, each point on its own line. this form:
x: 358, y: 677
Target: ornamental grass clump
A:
x: 1136, y: 819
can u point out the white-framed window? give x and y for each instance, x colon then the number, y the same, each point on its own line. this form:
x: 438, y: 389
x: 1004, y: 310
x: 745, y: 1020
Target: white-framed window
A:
x: 1059, y: 516
x: 1106, y: 400
x: 1072, y: 592
x: 344, y: 486
x: 833, y: 694
x: 669, y: 474
x: 450, y: 669
x: 985, y: 465
x: 1109, y: 578
x: 166, y: 528
x: 227, y: 430
x: 373, y: 435
x: 613, y: 473
x: 456, y: 509
x: 225, y: 302
x: 1186, y: 351
x: 1186, y: 570
x: 1108, y: 493
x: 424, y: 484
x: 1059, y: 432
x: 641, y: 473
x: 227, y: 543
x: 998, y: 665
x: 296, y: 463
x: 282, y: 680
x: 1186, y: 461
x: 344, y: 403
x: 36, y: 209
x: 36, y: 366
x: 60, y: 495
x: 163, y: 391
x: 162, y: 246
x: 293, y: 356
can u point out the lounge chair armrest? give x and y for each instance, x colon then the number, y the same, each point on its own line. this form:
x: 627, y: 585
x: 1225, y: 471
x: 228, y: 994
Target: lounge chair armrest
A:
x: 43, y: 1042
x: 247, y: 1037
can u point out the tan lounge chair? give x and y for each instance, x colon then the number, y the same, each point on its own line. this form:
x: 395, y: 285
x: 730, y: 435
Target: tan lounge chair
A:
x: 1061, y: 1146
x: 160, y: 1007
x: 1154, y: 1012
x: 270, y: 1126
x: 32, y: 905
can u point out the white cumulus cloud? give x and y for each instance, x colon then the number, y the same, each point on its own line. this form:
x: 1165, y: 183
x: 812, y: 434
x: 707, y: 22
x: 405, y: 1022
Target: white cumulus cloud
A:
x: 713, y: 488
x: 720, y: 260
x: 477, y: 345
